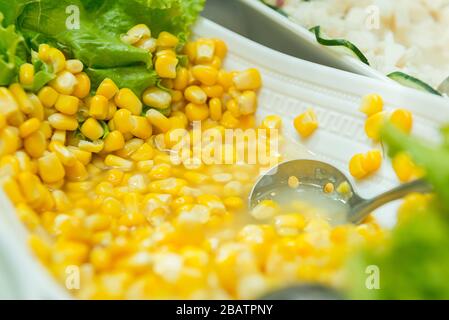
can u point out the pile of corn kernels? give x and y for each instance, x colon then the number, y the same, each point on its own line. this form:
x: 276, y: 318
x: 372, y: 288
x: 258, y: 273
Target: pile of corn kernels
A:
x: 88, y: 180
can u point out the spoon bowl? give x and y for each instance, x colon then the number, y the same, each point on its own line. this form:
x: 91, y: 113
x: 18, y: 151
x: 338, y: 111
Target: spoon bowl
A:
x: 313, y: 173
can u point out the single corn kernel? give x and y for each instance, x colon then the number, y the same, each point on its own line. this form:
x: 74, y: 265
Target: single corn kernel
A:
x: 215, y: 109
x: 10, y: 186
x: 95, y: 146
x: 141, y: 128
x: 126, y: 99
x: 233, y: 107
x: 215, y: 91
x: 122, y: 120
x: 205, y: 74
x: 402, y: 119
x: 82, y: 87
x: 182, y: 79
x: 46, y: 129
x: 356, y: 167
x: 167, y: 40
x: 158, y: 120
x: 43, y: 52
x: 247, y: 102
x: 372, y: 104
x: 48, y: 96
x: 130, y: 147
x: 25, y: 104
x: 157, y: 98
x: 118, y: 162
x: 114, y: 141
x: 233, y: 203
x: 62, y: 152
x: 293, y: 182
x: 35, y: 144
x: 99, y: 107
x: 224, y: 79
x: 247, y: 80
x: 166, y: 53
x: 265, y: 210
x: 329, y: 187
x: 107, y: 89
x: 92, y: 129
x: 64, y: 83
x: 76, y: 172
x: 229, y: 121
x: 26, y: 74
x: 374, y: 124
x: 149, y: 44
x: 306, y: 123
x: 28, y: 127
x: 61, y: 121
x: 166, y: 67
x: 67, y: 104
x: 372, y: 161
x: 9, y: 105
x: 50, y: 168
x: 195, y: 95
x: 404, y: 167
x: 144, y: 153
x: 57, y: 60
x: 205, y: 51
x: 344, y: 188
x: 221, y: 49
x: 195, y: 112
x: 38, y: 109
x: 74, y: 66
x: 136, y: 33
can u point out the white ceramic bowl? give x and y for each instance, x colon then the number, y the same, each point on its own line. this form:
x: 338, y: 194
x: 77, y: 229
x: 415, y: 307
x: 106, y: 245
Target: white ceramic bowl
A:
x: 290, y: 86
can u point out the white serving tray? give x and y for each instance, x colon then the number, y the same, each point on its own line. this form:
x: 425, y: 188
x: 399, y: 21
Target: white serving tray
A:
x: 290, y: 86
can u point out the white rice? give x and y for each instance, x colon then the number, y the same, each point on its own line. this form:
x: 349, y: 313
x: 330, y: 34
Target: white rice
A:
x: 411, y: 36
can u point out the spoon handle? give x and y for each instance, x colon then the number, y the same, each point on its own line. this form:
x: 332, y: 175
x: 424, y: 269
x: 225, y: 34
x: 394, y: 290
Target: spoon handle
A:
x: 364, y: 207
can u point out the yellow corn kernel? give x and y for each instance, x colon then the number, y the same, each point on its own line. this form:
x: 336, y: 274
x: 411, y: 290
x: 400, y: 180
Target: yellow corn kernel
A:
x: 165, y: 66
x: 158, y: 120
x: 57, y: 60
x: 215, y: 63
x: 67, y: 104
x: 181, y: 80
x: 130, y: 147
x: 43, y: 52
x: 8, y: 103
x: 224, y: 79
x: 61, y: 121
x: 64, y: 83
x: 114, y: 141
x: 83, y: 156
x: 171, y: 186
x: 76, y: 172
x: 229, y: 121
x: 95, y: 146
x: 372, y: 161
x: 247, y: 80
x: 25, y: 104
x: 247, y: 102
x: 92, y: 129
x: 167, y: 40
x: 31, y: 188
x: 46, y: 129
x: 205, y: 51
x: 144, y: 153
x: 404, y: 167
x: 26, y: 74
x: 99, y: 107
x: 28, y: 127
x: 215, y: 109
x: 148, y: 44
x: 221, y: 49
x: 176, y: 96
x: 126, y: 99
x: 402, y: 119
x: 306, y: 123
x: 205, y: 74
x: 289, y: 224
x: 197, y: 112
x: 372, y: 104
x: 48, y: 96
x: 160, y: 171
x: 107, y: 89
x: 118, y: 162
x: 122, y: 120
x: 112, y: 109
x: 329, y: 187
x: 157, y: 98
x: 50, y: 168
x: 82, y: 87
x: 195, y: 94
x: 74, y: 66
x: 356, y: 167
x: 215, y: 91
x: 136, y: 33
x: 265, y: 209
x: 233, y: 203
x: 166, y: 53
x: 344, y: 188
x: 38, y: 108
x: 35, y: 144
x: 272, y: 122
x: 66, y: 157
x: 233, y: 107
x: 141, y: 128
x: 190, y: 50
x: 12, y: 189
x: 373, y: 125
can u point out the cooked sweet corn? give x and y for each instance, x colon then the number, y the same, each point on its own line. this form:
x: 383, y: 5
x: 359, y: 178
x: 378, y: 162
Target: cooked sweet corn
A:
x: 361, y: 165
x: 372, y: 104
x: 26, y: 74
x: 402, y: 119
x: 374, y: 123
x: 306, y: 123
x: 143, y: 226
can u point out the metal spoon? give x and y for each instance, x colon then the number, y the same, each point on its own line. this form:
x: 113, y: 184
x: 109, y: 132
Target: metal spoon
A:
x: 317, y: 173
